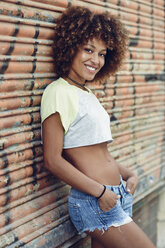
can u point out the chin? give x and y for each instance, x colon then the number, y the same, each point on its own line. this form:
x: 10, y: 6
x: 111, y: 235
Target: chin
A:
x: 90, y: 78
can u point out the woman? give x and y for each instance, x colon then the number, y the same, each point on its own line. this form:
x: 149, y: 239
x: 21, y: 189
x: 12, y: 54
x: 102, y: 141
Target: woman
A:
x: 76, y: 129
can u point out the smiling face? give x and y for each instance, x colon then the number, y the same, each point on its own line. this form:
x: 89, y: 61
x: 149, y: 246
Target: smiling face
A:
x: 88, y: 61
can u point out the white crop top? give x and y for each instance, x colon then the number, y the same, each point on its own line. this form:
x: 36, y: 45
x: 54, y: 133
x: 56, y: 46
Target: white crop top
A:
x: 84, y: 119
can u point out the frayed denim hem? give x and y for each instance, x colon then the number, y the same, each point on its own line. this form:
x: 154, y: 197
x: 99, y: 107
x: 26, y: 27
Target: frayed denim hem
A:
x: 106, y: 227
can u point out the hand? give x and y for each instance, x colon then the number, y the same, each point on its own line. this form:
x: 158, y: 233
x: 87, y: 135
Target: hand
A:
x: 131, y: 184
x: 108, y: 200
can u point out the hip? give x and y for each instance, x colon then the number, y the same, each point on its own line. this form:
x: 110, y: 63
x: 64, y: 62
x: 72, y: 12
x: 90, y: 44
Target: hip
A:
x: 86, y: 214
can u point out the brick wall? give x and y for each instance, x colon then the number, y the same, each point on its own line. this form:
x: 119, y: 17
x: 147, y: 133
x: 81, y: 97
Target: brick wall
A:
x: 134, y: 99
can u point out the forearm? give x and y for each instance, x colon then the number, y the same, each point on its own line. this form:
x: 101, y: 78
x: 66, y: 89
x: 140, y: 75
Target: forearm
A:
x: 72, y: 176
x: 125, y: 172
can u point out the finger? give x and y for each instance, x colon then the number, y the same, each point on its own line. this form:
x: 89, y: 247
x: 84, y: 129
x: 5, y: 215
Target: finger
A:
x: 130, y: 190
x: 129, y: 187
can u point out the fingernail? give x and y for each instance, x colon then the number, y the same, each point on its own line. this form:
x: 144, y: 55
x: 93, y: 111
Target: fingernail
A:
x: 128, y: 190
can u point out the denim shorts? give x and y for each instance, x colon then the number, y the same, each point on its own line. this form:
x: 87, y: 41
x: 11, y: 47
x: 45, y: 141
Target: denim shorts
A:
x: 86, y: 214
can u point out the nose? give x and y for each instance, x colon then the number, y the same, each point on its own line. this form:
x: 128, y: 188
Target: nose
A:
x: 95, y: 58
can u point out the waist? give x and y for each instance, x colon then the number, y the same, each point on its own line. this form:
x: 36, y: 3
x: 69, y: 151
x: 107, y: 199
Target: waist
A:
x: 95, y: 162
x: 117, y: 189
x: 103, y: 174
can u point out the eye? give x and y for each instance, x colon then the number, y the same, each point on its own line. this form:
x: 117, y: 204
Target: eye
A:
x: 88, y: 50
x: 102, y: 55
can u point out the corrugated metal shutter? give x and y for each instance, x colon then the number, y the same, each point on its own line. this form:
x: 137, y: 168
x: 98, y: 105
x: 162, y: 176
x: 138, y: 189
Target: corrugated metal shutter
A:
x: 135, y: 97
x: 31, y: 201
x: 33, y: 209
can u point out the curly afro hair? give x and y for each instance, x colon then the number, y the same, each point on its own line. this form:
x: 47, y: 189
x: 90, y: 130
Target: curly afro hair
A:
x: 76, y: 26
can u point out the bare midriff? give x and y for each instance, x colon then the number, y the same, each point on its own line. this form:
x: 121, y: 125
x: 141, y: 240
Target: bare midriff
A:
x: 95, y: 162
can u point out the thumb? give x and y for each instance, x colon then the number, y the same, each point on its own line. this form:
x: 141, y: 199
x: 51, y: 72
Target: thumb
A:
x: 128, y: 187
x: 128, y: 190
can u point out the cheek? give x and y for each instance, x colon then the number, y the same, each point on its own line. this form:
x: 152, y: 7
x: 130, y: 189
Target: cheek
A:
x: 83, y: 57
x: 80, y: 58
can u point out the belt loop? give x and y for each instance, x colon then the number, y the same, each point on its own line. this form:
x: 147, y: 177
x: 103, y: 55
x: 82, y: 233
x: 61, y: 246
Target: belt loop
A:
x: 122, y: 188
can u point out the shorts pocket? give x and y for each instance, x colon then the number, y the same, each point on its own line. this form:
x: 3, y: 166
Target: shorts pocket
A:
x: 75, y: 215
x: 108, y: 211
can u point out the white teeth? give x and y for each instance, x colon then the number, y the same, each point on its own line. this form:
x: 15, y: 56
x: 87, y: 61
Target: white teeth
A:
x: 91, y: 68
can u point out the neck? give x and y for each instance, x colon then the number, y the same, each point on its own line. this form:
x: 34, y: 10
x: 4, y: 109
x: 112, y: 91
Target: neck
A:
x: 75, y: 82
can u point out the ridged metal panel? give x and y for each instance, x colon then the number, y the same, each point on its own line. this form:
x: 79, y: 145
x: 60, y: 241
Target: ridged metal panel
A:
x: 33, y: 204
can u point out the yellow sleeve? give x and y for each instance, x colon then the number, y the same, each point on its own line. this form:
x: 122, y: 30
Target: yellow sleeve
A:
x: 61, y: 99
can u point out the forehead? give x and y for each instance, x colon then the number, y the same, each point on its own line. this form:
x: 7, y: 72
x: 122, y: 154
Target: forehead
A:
x: 97, y: 43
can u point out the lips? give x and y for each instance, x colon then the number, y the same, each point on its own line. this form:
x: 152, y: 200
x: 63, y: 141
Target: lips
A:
x: 91, y: 68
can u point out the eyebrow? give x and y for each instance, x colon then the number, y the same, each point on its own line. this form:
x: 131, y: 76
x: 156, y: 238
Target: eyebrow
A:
x: 95, y: 47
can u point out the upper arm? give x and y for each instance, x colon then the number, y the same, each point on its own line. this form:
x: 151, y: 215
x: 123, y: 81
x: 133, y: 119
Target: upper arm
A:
x: 62, y: 100
x: 59, y: 106
x: 53, y: 136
